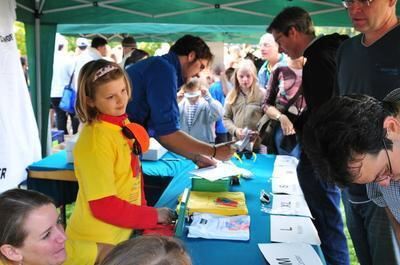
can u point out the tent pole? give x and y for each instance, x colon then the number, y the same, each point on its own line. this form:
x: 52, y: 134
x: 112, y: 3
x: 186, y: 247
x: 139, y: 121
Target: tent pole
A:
x: 38, y: 74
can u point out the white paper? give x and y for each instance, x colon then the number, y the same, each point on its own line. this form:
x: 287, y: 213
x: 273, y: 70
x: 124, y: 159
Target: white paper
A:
x: 221, y: 170
x: 293, y: 229
x: 284, y: 172
x: 286, y: 161
x: 242, y: 144
x: 212, y: 226
x: 290, y: 205
x: 289, y: 253
x: 286, y: 186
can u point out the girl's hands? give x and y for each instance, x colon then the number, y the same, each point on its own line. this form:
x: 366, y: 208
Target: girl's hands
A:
x: 165, y: 215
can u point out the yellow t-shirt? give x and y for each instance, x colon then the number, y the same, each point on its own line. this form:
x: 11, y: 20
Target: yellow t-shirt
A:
x: 102, y: 166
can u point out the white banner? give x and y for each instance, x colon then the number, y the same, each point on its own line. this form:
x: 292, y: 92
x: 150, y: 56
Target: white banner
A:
x: 19, y: 137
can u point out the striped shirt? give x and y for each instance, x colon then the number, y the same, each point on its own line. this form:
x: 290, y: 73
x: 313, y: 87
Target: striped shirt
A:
x: 191, y: 112
x: 386, y: 196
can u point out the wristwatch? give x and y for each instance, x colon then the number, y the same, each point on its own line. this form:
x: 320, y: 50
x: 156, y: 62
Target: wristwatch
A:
x: 277, y: 117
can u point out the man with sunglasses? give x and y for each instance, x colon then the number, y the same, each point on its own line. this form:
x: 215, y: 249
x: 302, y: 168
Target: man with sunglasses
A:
x: 155, y: 83
x: 356, y: 139
x: 293, y: 30
x: 369, y: 64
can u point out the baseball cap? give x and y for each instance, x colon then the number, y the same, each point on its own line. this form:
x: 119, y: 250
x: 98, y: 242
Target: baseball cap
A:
x: 82, y: 42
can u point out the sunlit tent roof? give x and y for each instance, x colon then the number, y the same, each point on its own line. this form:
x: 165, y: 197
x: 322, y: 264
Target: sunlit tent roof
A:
x: 214, y: 20
x: 150, y: 20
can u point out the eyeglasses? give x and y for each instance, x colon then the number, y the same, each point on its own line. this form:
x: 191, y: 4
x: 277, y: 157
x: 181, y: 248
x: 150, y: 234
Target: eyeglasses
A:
x: 385, y: 177
x: 350, y: 3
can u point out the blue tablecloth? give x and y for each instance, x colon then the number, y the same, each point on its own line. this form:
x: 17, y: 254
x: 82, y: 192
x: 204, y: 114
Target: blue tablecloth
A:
x: 170, y: 166
x: 209, y: 252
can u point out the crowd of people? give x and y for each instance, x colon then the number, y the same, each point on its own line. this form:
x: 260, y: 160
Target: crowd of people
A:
x: 334, y: 99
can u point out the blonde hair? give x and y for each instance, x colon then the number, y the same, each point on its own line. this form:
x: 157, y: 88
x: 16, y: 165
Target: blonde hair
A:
x: 148, y: 250
x: 255, y: 91
x: 193, y: 84
x: 90, y: 80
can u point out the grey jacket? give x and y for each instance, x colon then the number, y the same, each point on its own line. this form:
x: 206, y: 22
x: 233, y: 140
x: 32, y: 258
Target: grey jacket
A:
x: 207, y: 113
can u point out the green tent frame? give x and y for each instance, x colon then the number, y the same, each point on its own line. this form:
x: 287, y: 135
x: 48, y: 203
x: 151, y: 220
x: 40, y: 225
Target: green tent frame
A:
x: 156, y: 20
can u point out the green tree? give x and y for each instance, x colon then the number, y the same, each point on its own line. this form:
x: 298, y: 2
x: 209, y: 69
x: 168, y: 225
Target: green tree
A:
x: 20, y: 37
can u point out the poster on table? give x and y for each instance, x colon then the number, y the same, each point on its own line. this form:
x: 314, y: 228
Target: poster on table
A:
x: 19, y: 136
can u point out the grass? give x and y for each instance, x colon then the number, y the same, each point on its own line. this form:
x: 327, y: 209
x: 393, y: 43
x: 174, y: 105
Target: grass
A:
x: 352, y: 252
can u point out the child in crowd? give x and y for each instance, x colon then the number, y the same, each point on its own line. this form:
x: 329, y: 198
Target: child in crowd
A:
x: 198, y: 111
x: 30, y: 229
x: 110, y: 201
x: 148, y: 250
x: 243, y: 103
x: 218, y: 90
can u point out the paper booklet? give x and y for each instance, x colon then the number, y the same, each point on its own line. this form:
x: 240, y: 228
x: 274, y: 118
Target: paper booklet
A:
x: 286, y: 186
x: 293, y: 229
x: 289, y: 253
x: 223, y: 203
x: 290, y: 205
x: 212, y: 226
x: 219, y: 171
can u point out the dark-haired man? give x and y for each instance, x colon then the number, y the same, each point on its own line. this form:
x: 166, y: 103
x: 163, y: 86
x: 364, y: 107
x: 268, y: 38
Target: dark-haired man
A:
x: 155, y: 83
x: 128, y: 46
x: 355, y: 139
x: 97, y: 50
x: 293, y: 30
x: 369, y: 64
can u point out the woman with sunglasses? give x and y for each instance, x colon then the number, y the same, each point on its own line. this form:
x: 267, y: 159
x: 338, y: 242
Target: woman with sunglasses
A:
x: 110, y: 202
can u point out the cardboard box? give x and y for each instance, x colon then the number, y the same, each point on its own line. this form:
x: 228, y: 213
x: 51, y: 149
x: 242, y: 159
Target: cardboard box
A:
x: 155, y: 152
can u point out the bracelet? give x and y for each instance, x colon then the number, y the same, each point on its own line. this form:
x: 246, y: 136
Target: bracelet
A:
x: 278, y: 116
x: 215, y: 150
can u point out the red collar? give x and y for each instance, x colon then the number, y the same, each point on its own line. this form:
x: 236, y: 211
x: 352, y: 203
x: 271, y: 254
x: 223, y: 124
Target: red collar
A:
x: 117, y: 120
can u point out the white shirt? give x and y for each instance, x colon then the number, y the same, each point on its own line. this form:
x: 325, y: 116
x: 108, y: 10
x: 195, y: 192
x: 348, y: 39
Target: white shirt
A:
x: 63, y: 67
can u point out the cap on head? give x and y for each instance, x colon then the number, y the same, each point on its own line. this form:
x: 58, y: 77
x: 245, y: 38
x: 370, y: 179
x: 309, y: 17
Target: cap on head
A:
x: 82, y: 42
x: 129, y: 42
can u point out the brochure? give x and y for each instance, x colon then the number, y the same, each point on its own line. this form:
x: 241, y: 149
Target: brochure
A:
x: 212, y: 226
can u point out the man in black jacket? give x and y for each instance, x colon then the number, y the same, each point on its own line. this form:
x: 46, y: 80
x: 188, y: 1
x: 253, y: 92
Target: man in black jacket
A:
x: 293, y: 30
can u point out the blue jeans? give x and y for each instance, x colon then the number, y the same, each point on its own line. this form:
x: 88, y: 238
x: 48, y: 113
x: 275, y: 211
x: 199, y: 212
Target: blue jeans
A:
x: 371, y: 232
x: 323, y: 199
x: 278, y: 139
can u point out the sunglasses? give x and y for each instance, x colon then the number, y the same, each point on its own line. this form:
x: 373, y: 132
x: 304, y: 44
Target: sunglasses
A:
x: 350, y: 3
x: 136, y: 148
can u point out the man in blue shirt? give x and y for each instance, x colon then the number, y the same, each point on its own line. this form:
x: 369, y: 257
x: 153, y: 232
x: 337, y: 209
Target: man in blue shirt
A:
x: 155, y: 83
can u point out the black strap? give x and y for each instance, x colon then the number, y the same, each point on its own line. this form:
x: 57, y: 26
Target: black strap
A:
x: 294, y: 98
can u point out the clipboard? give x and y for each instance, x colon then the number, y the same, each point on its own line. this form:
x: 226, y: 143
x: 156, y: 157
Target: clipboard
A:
x: 180, y: 222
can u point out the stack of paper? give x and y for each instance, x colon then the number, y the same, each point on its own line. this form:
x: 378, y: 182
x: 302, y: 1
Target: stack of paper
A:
x: 288, y: 253
x: 292, y: 229
x: 219, y: 171
x: 213, y: 226
x: 290, y: 205
x: 286, y: 186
